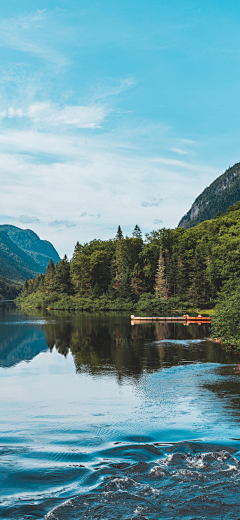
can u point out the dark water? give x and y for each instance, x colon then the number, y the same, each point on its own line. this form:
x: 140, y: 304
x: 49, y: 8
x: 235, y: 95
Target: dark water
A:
x: 104, y: 420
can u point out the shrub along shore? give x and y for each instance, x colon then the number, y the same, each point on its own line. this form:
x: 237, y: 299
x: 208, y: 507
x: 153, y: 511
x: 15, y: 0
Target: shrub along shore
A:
x: 169, y: 269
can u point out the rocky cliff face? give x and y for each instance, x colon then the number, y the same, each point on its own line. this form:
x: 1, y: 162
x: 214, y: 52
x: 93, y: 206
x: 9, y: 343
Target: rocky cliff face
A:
x: 222, y: 193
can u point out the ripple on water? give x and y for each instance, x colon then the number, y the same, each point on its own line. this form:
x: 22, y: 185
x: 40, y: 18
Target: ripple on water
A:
x: 81, y: 434
x: 186, y: 482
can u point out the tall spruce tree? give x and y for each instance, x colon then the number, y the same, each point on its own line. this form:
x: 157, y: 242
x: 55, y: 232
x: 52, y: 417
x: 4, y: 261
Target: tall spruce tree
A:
x: 119, y: 234
x: 161, y: 286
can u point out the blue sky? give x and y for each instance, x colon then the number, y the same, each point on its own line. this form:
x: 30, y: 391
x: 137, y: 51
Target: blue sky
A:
x: 114, y: 112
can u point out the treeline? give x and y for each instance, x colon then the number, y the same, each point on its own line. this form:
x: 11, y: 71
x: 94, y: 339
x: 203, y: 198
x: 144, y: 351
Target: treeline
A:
x: 170, y: 268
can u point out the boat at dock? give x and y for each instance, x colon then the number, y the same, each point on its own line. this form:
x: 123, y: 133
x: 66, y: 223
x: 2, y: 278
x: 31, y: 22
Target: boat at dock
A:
x: 172, y: 319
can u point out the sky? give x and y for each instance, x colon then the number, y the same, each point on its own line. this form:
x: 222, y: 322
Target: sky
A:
x: 114, y: 112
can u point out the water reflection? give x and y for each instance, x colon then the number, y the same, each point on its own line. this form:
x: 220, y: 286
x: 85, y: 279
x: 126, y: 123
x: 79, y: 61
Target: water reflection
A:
x: 101, y: 343
x: 75, y: 442
x: 20, y: 340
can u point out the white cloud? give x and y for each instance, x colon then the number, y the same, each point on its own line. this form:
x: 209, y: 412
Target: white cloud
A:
x: 62, y: 223
x: 153, y: 202
x: 179, y: 151
x: 174, y: 162
x: 47, y: 113
x: 78, y: 116
x: 92, y: 174
x: 27, y: 219
x: 97, y: 180
x: 157, y: 221
x: 91, y: 215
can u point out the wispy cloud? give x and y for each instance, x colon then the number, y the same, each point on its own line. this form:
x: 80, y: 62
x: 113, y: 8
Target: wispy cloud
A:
x: 25, y: 33
x: 179, y: 151
x: 153, y: 202
x: 157, y: 221
x: 173, y: 162
x: 78, y: 116
x: 91, y: 215
x: 112, y: 87
x: 62, y: 223
x: 27, y: 219
x: 47, y: 113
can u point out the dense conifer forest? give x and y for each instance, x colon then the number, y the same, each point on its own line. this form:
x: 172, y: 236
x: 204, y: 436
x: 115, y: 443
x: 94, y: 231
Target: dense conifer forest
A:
x: 168, y: 269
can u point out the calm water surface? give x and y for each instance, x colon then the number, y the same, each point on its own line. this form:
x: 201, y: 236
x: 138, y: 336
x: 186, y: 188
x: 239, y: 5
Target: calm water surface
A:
x: 104, y: 420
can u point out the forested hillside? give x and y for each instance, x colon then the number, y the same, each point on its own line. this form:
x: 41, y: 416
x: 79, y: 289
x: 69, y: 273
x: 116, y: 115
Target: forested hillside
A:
x: 170, y: 268
x: 222, y: 193
x: 22, y: 255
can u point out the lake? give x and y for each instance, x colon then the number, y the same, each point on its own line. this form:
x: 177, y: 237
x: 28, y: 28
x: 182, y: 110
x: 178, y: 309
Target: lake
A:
x: 104, y: 420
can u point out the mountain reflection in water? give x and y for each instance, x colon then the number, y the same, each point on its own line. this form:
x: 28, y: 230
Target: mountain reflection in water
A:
x: 102, y: 419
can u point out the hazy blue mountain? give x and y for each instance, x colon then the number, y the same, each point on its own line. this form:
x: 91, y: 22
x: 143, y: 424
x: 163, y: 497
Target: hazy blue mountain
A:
x: 222, y: 193
x: 20, y: 342
x: 23, y: 254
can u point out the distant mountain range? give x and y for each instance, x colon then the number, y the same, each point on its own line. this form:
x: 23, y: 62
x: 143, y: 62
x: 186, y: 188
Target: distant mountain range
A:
x: 222, y: 193
x: 23, y: 254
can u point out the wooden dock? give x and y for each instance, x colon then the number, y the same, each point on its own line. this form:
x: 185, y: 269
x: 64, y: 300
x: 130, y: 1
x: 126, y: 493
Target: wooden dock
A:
x: 171, y: 319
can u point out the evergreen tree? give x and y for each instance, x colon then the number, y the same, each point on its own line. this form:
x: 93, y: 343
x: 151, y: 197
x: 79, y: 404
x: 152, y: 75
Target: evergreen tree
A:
x: 161, y: 286
x: 76, y: 249
x: 62, y: 279
x: 25, y: 287
x: 49, y: 276
x: 197, y: 289
x: 125, y: 288
x: 120, y: 260
x: 119, y: 234
x: 137, y: 233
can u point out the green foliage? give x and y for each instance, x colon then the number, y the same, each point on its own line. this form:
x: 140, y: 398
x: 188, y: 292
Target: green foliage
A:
x: 226, y: 320
x: 49, y: 277
x: 8, y: 290
x: 137, y: 232
x: 61, y: 277
x: 119, y: 234
x: 168, y: 269
x: 161, y: 286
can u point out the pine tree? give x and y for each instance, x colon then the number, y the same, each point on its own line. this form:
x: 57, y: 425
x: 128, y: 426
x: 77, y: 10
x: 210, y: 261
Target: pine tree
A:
x: 161, y: 286
x: 137, y: 233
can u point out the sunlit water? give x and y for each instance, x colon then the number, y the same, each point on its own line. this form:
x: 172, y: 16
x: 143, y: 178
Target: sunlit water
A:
x: 104, y: 420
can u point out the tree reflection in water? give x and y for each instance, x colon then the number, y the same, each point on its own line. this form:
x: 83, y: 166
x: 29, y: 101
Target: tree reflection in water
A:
x: 101, y: 343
